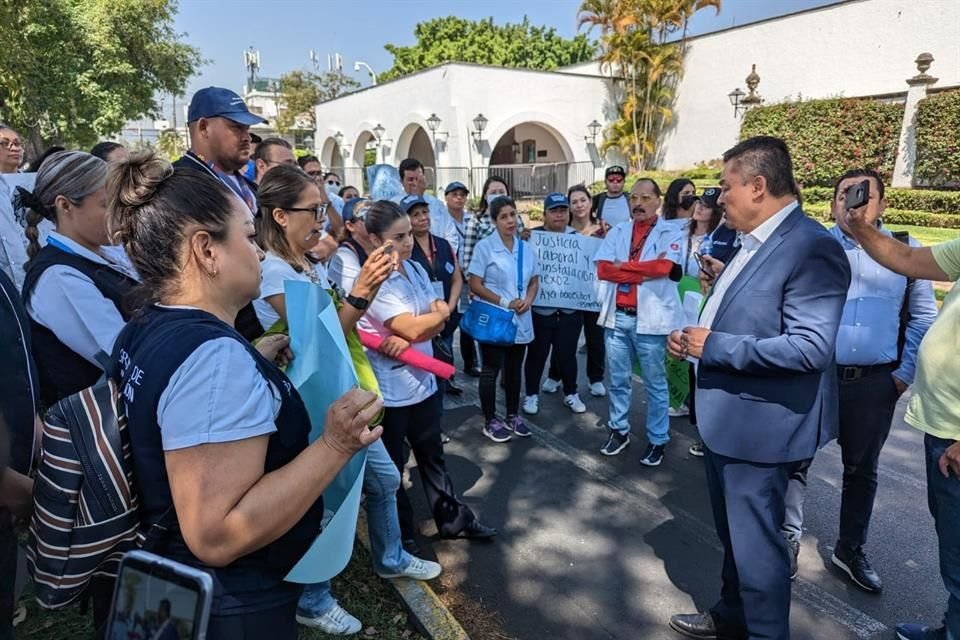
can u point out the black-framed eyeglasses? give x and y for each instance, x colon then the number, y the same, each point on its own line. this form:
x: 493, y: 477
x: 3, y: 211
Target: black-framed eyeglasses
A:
x: 319, y: 212
x: 6, y: 145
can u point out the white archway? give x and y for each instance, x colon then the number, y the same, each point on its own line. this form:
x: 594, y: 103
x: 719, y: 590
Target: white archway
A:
x: 330, y: 154
x: 415, y: 142
x: 530, y: 143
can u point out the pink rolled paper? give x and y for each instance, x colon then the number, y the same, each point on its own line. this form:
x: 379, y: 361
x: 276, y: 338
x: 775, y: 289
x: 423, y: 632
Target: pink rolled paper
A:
x: 411, y: 357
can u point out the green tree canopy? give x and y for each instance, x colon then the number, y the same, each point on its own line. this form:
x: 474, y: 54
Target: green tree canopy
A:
x: 453, y: 39
x: 302, y: 90
x: 72, y: 71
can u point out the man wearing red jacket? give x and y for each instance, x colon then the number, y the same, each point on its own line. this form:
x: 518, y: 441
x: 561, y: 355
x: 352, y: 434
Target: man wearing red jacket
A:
x: 638, y: 265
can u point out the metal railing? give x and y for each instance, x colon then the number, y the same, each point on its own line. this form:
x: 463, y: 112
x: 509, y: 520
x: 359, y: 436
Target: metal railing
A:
x: 523, y: 180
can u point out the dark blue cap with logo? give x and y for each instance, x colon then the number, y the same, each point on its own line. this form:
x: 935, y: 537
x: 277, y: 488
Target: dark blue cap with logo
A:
x: 554, y: 201
x: 217, y: 102
x: 409, y: 202
x: 710, y: 196
x: 453, y: 186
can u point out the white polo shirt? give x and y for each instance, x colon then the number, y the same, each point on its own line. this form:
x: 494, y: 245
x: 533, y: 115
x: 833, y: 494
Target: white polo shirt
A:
x: 401, y: 385
x: 497, y: 267
x: 276, y: 271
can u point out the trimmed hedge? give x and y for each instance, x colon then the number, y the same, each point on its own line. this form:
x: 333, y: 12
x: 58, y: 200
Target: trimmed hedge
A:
x: 947, y: 202
x: 827, y: 137
x: 938, y: 140
x: 821, y: 211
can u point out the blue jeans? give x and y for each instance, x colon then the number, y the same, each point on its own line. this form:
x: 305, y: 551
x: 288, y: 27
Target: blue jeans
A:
x: 380, y: 483
x: 623, y: 343
x: 943, y: 495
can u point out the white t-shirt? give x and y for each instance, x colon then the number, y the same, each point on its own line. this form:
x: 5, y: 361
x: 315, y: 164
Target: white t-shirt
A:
x: 615, y: 210
x: 401, y: 385
x: 70, y: 305
x: 497, y: 267
x: 216, y: 395
x: 344, y: 268
x: 276, y: 271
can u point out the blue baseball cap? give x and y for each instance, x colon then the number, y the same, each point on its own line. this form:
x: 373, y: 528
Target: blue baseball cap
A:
x: 710, y: 196
x: 409, y: 202
x: 555, y: 201
x: 453, y: 186
x: 348, y: 207
x: 214, y: 102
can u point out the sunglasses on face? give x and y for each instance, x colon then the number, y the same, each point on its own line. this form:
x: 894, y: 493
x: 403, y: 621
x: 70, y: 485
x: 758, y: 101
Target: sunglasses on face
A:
x: 615, y: 179
x: 319, y: 212
x: 333, y: 183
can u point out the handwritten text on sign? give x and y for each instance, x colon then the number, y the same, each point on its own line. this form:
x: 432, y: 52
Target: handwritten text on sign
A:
x: 568, y: 277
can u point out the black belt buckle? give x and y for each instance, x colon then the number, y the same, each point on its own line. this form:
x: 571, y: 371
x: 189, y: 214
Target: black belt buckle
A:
x: 849, y: 374
x: 627, y: 310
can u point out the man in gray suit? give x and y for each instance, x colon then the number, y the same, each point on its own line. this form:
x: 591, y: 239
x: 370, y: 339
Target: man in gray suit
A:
x: 766, y: 382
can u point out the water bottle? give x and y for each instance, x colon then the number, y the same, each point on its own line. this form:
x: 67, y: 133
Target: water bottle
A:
x: 706, y: 247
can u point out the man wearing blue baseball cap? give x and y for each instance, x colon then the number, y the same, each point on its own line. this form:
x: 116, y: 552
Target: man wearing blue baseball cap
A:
x: 220, y: 145
x: 220, y: 142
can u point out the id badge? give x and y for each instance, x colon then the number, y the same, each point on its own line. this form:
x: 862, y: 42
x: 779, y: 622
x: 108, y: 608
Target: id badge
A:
x: 438, y: 289
x: 623, y: 287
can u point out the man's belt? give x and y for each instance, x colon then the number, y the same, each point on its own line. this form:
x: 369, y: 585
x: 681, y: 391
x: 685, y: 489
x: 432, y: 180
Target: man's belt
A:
x: 851, y: 373
x: 630, y: 311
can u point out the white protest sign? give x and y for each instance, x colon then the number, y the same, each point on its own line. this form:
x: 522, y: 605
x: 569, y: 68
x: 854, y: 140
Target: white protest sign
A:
x: 568, y: 277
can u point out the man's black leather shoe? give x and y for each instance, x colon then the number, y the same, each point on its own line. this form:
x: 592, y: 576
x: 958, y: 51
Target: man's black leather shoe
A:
x: 855, y: 565
x: 700, y: 625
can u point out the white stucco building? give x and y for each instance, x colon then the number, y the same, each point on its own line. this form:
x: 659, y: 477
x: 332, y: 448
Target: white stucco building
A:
x: 535, y: 125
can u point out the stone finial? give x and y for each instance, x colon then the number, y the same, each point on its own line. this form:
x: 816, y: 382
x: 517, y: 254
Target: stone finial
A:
x: 923, y: 62
x: 752, y: 81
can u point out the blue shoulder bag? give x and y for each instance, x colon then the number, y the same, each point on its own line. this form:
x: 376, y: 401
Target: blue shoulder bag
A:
x: 490, y: 323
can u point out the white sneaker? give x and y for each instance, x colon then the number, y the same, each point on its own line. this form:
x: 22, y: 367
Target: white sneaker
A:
x: 550, y: 385
x: 678, y: 413
x: 531, y: 405
x: 597, y: 389
x: 574, y: 403
x: 418, y: 569
x: 337, y: 622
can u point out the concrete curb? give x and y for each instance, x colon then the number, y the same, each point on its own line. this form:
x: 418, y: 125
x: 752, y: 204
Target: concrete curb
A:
x: 429, y: 615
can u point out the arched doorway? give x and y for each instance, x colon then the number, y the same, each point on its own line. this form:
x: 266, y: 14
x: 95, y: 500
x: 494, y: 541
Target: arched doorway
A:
x: 534, y: 159
x: 415, y: 142
x: 330, y: 155
x: 365, y: 153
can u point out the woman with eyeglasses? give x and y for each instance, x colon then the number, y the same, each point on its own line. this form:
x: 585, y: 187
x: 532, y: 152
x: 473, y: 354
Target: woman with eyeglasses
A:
x: 291, y: 212
x: 11, y: 150
x: 332, y: 180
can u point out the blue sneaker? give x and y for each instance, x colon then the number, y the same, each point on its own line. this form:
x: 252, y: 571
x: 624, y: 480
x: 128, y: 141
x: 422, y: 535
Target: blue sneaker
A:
x: 516, y: 424
x: 496, y: 430
x: 920, y: 632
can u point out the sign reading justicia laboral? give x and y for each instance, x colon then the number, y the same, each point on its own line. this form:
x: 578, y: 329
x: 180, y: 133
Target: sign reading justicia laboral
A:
x: 568, y: 277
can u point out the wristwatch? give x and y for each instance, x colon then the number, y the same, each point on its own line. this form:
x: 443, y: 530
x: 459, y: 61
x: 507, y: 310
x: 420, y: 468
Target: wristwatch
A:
x: 360, y: 304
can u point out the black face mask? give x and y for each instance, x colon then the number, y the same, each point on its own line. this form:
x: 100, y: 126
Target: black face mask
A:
x: 687, y: 201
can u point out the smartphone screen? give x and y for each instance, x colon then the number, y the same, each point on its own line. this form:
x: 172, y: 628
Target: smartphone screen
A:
x: 153, y: 600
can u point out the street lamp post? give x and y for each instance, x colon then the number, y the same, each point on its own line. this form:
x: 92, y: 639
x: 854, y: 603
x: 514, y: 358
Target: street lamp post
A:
x: 373, y: 76
x: 594, y: 129
x: 736, y: 97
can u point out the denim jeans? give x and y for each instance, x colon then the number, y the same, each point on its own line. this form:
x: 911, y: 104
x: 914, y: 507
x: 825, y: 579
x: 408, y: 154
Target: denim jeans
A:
x: 623, y: 343
x: 380, y: 483
x: 943, y: 495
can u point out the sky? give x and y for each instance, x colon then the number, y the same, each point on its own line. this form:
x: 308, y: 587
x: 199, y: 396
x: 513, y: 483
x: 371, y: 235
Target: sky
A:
x: 284, y: 31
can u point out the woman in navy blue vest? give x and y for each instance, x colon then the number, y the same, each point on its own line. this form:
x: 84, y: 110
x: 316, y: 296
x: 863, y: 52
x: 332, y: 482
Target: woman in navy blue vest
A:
x: 76, y: 289
x: 216, y: 429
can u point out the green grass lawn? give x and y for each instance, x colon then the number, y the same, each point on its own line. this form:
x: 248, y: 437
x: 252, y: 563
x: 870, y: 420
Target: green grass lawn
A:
x: 358, y: 590
x: 927, y: 235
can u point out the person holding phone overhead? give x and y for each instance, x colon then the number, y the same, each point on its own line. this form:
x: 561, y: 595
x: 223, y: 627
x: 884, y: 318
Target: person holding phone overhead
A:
x: 216, y: 429
x: 504, y: 272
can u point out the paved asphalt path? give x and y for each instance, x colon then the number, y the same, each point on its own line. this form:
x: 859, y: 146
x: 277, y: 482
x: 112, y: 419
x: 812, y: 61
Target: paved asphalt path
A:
x: 598, y: 547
